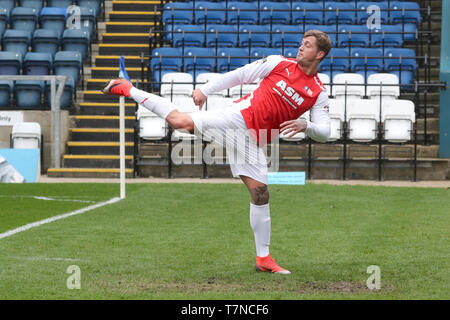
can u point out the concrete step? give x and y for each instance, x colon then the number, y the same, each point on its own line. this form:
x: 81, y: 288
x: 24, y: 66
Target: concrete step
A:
x: 121, y: 37
x: 112, y: 72
x: 113, y: 61
x: 105, y: 108
x: 95, y: 161
x: 91, y: 121
x: 100, y: 134
x: 98, y: 147
x: 131, y: 49
x: 87, y: 173
x: 140, y: 27
x: 135, y: 16
x: 119, y: 5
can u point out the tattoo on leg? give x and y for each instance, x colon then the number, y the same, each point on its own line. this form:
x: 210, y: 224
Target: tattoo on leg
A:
x: 260, y: 195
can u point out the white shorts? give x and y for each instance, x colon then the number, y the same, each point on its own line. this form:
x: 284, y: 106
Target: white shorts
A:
x: 227, y: 127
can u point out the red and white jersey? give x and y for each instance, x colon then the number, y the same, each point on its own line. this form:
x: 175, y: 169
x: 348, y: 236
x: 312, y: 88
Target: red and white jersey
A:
x: 284, y: 93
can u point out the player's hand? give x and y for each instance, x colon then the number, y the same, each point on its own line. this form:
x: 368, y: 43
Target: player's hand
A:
x: 199, y: 98
x: 292, y: 127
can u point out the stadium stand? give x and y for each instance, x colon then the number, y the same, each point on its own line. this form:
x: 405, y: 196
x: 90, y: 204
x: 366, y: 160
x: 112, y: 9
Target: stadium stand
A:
x: 225, y: 35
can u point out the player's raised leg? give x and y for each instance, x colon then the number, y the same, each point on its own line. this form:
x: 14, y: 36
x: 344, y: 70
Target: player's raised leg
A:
x: 161, y: 106
x: 260, y: 223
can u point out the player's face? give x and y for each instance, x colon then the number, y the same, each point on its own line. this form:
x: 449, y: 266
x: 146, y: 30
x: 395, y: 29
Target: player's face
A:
x: 308, y: 52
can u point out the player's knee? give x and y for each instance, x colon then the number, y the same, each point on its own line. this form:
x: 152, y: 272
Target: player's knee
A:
x: 260, y: 195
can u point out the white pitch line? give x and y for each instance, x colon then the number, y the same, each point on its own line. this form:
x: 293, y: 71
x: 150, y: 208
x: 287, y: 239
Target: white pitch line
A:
x: 58, y: 217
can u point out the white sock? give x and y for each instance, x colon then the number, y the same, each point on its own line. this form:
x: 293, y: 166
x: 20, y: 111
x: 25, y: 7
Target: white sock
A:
x: 161, y: 106
x: 260, y: 222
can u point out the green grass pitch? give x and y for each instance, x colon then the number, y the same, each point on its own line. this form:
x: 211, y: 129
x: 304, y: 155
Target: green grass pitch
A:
x: 194, y: 241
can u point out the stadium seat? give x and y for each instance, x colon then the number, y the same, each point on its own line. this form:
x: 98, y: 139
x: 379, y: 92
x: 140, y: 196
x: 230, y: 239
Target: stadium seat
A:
x: 68, y: 63
x: 177, y: 83
x: 337, y: 118
x: 6, y: 88
x: 307, y: 13
x: 274, y: 12
x: 353, y: 36
x: 219, y: 35
x: 186, y: 35
x: 387, y: 36
x: 336, y: 60
x: 404, y: 12
x: 209, y: 12
x: 67, y: 95
x: 242, y: 90
x: 151, y: 126
x: 286, y: 35
x: 37, y: 63
x: 325, y: 79
x: 165, y: 60
x: 398, y: 117
x: 23, y: 18
x: 384, y: 84
x: 290, y: 52
x: 94, y: 4
x: 355, y: 85
x: 10, y: 63
x: 16, y: 41
x: 339, y: 12
x: 361, y: 120
x: 59, y: 3
x: 53, y: 18
x: 363, y: 14
x: 215, y: 100
x: 88, y: 20
x: 35, y: 4
x: 45, y: 40
x: 254, y: 36
x: 366, y: 59
x: 26, y: 135
x: 177, y: 13
x: 76, y: 40
x: 7, y: 4
x: 259, y: 53
x: 4, y: 20
x: 242, y: 12
x: 229, y: 59
x: 28, y: 94
x: 402, y: 62
x: 203, y: 60
x: 298, y: 136
x: 410, y: 30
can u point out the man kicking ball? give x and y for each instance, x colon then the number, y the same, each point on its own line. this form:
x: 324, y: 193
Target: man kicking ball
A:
x: 288, y: 88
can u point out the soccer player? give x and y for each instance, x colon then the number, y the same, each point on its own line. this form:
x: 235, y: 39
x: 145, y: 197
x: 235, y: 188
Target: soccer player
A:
x: 287, y: 89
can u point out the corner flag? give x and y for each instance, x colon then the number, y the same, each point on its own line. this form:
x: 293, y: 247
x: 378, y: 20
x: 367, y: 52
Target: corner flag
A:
x: 122, y: 74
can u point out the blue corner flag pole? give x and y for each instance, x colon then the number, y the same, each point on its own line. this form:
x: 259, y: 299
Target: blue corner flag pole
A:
x: 122, y: 74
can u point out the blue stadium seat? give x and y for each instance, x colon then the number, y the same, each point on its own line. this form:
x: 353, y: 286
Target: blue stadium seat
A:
x: 402, y: 62
x: 88, y: 20
x: 203, y: 60
x: 187, y: 35
x: 4, y: 20
x: 410, y: 30
x: 46, y: 40
x: 167, y: 59
x: 339, y: 12
x: 307, y: 13
x: 36, y: 4
x: 76, y: 40
x: 246, y: 12
x: 259, y: 53
x: 94, y: 4
x: 392, y: 36
x: 374, y: 57
x: 53, y: 18
x: 330, y: 30
x: 28, y: 94
x: 353, y: 36
x: 67, y: 95
x: 363, y: 15
x: 209, y: 12
x: 254, y: 35
x: 231, y: 58
x: 336, y: 60
x: 221, y: 35
x: 7, y: 4
x: 36, y: 63
x: 6, y: 88
x: 10, y: 63
x: 290, y: 52
x: 293, y: 35
x: 177, y: 13
x: 68, y: 63
x: 404, y: 12
x: 16, y: 41
x: 23, y: 18
x: 274, y: 12
x: 59, y: 3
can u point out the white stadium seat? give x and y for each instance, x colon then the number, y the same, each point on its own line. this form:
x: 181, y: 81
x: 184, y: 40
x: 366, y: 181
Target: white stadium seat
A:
x: 398, y: 117
x: 353, y: 91
x: 337, y: 118
x: 151, y: 126
x: 179, y: 83
x: 362, y: 120
x: 26, y: 135
x: 390, y: 91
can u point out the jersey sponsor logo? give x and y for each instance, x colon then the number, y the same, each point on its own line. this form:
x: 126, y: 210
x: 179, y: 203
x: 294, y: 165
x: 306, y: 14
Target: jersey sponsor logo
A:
x: 290, y: 92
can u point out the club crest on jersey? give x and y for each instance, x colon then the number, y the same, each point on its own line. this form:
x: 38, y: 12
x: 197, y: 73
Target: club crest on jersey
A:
x: 308, y: 90
x: 290, y: 92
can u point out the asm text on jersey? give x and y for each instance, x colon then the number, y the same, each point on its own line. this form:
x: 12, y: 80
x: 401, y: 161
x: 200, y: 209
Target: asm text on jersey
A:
x: 286, y: 92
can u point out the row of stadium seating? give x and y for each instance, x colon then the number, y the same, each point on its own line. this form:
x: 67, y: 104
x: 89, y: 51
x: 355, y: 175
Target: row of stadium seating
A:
x: 39, y: 4
x: 216, y: 35
x: 362, y: 115
x: 195, y: 60
x: 327, y: 12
